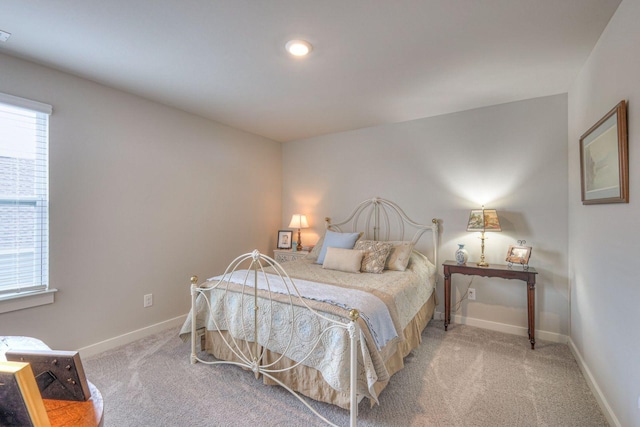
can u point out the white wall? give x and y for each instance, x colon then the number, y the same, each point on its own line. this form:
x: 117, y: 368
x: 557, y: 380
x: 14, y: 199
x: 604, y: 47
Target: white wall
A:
x: 603, y: 240
x: 142, y: 196
x: 511, y: 157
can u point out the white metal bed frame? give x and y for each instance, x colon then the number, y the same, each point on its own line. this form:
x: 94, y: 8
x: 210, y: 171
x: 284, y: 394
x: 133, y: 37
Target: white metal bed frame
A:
x: 377, y: 210
x: 250, y: 356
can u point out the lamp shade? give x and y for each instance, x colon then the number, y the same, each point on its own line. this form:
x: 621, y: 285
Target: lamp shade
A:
x: 299, y: 221
x: 483, y: 220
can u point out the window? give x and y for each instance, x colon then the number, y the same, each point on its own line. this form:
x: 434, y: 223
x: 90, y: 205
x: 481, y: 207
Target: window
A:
x: 24, y: 197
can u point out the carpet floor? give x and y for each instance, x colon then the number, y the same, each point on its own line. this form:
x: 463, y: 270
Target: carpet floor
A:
x: 464, y: 377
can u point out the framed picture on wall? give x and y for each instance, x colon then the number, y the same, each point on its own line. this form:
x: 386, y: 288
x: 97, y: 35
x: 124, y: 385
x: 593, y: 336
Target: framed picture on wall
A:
x: 284, y: 239
x: 604, y: 162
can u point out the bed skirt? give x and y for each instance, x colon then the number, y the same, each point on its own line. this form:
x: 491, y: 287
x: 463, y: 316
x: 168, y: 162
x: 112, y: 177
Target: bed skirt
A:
x: 309, y: 381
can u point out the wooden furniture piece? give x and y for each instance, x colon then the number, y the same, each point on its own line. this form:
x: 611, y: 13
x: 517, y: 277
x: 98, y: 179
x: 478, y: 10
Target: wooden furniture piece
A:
x: 494, y: 270
x: 285, y: 255
x: 61, y: 413
x: 71, y: 413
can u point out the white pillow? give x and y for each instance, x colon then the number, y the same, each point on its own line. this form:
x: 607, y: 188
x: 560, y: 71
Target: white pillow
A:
x: 347, y: 260
x: 399, y: 256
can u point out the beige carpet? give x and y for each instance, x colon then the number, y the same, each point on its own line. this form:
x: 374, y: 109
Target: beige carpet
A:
x: 464, y: 377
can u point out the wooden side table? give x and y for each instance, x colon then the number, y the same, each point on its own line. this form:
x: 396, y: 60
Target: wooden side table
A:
x: 285, y: 255
x: 494, y: 270
x: 71, y: 413
x: 61, y: 413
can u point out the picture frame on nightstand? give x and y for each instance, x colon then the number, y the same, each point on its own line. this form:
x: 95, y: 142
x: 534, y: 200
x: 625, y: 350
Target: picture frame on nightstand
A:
x: 285, y: 238
x: 20, y: 399
x: 59, y: 374
x: 519, y: 254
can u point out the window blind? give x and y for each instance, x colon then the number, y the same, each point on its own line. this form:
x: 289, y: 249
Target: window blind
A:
x: 24, y: 195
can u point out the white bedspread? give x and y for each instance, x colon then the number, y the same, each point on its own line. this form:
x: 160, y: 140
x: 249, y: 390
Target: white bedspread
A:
x: 405, y: 291
x: 371, y: 308
x: 403, y: 294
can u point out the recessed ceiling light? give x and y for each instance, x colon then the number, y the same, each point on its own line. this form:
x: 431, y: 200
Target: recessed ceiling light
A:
x: 298, y: 47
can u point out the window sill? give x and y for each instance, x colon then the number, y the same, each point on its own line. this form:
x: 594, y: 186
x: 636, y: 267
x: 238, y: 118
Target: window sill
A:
x: 27, y: 300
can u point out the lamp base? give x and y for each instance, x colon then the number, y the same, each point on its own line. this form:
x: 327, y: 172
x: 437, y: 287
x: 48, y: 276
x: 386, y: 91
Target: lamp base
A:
x: 299, y: 241
x: 482, y: 262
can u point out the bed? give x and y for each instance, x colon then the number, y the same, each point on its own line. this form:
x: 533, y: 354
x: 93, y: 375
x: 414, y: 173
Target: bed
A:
x: 333, y: 326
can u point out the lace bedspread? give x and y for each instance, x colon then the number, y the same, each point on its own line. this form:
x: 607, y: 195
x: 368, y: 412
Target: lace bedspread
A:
x: 404, y: 293
x: 408, y: 289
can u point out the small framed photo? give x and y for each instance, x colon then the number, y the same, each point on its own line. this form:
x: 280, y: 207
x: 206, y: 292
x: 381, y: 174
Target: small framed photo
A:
x: 59, y: 374
x: 604, y: 162
x: 284, y: 239
x: 519, y: 254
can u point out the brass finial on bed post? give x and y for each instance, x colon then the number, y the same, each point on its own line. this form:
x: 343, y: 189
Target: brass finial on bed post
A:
x: 194, y: 280
x: 354, y: 314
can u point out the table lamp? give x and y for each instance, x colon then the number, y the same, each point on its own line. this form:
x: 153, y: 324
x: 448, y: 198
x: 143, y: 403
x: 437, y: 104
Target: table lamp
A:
x: 299, y: 221
x: 483, y: 220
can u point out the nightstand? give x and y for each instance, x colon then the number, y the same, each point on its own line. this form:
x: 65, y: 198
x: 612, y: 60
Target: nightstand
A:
x: 494, y: 270
x: 284, y: 255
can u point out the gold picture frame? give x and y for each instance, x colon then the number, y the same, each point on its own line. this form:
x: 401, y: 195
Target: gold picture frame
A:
x: 604, y: 161
x: 519, y: 254
x: 20, y: 400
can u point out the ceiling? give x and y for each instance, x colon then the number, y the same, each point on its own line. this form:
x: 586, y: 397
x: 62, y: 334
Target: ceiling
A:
x: 373, y: 61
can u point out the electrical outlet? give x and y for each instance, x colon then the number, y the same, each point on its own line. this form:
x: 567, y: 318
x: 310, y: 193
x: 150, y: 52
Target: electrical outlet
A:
x: 471, y: 294
x: 148, y: 300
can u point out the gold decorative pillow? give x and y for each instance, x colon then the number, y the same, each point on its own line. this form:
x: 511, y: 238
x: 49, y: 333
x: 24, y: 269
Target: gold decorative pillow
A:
x: 375, y: 255
x: 347, y: 260
x: 399, y: 255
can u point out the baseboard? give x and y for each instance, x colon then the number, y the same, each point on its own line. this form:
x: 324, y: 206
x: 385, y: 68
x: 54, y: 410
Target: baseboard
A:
x: 503, y: 327
x: 93, y: 349
x: 593, y: 385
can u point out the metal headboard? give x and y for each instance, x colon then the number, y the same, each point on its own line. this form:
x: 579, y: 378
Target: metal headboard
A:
x: 382, y: 219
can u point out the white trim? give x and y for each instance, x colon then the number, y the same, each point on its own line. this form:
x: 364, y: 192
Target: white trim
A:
x: 108, y: 344
x: 593, y: 386
x: 503, y: 327
x: 26, y: 300
x: 16, y: 101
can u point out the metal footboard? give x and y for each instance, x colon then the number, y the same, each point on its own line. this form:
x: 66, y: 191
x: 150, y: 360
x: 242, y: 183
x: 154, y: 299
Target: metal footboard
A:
x: 252, y: 321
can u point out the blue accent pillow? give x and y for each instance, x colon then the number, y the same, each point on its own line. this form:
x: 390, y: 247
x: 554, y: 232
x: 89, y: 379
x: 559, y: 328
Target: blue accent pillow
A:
x: 336, y: 240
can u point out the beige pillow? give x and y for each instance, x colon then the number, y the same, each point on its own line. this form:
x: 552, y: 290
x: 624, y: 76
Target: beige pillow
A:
x: 399, y: 256
x: 316, y: 249
x: 347, y: 260
x: 375, y: 255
